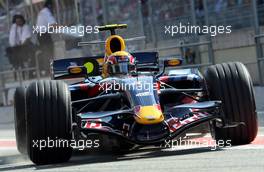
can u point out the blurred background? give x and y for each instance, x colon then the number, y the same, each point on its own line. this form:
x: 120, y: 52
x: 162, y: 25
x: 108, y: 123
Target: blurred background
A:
x: 144, y: 18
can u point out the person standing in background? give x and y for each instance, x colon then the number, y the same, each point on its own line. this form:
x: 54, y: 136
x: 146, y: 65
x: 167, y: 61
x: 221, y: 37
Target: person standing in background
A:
x: 21, y: 50
x: 187, y: 53
x: 45, y: 18
x: 20, y: 32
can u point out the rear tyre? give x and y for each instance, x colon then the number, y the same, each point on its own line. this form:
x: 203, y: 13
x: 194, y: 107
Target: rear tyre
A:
x: 20, y: 119
x: 49, y: 122
x: 232, y: 84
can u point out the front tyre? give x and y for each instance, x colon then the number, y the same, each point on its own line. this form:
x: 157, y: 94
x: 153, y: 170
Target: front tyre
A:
x: 232, y: 84
x: 20, y: 119
x: 49, y: 122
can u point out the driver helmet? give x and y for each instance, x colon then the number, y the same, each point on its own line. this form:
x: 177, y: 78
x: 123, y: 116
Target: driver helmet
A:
x: 119, y: 63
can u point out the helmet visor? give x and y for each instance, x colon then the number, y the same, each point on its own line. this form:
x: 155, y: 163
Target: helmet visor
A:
x: 120, y: 68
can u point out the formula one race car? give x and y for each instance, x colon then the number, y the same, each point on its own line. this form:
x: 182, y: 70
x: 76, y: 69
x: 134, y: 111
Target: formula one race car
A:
x: 130, y: 99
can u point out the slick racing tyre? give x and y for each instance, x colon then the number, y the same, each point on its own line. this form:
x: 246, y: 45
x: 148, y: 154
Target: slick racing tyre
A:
x: 49, y: 122
x: 20, y: 119
x: 232, y: 84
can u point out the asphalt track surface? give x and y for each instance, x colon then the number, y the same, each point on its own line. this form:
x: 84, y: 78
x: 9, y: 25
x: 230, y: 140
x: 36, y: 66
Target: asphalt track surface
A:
x: 180, y: 158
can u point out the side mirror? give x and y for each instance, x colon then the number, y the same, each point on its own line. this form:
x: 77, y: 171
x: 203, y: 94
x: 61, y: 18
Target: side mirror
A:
x: 89, y: 67
x: 172, y: 62
x: 169, y: 63
x: 77, y: 70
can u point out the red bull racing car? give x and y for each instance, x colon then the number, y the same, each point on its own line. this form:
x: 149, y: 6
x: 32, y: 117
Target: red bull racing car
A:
x: 130, y: 99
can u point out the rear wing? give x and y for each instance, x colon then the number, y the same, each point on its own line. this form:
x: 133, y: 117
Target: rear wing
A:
x: 60, y: 67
